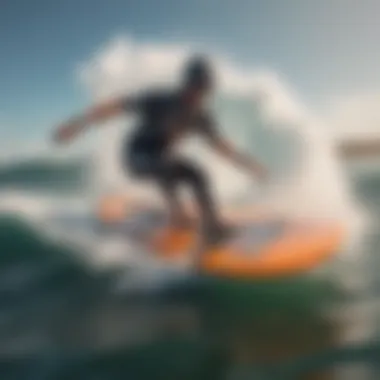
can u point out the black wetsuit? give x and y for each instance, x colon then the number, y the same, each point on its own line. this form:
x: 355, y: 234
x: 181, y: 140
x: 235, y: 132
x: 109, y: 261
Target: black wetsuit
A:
x: 164, y: 118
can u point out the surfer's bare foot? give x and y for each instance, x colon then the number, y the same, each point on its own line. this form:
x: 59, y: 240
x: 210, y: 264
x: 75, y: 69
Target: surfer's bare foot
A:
x: 211, y: 236
x: 180, y: 220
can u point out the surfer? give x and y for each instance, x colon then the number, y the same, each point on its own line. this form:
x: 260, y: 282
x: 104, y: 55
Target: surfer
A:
x: 165, y: 117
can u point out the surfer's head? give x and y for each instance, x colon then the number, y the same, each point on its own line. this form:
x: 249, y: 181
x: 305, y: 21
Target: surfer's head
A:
x: 198, y: 78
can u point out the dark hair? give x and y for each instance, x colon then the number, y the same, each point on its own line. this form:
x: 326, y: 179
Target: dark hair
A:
x: 198, y: 72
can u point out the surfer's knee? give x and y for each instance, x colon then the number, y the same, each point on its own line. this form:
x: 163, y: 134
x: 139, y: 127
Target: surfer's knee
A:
x: 192, y: 175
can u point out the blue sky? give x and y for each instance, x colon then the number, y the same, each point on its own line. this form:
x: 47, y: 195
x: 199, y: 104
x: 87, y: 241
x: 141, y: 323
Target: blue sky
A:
x: 323, y: 47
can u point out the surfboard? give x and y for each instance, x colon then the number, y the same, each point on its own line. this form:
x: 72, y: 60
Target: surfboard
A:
x: 262, y: 245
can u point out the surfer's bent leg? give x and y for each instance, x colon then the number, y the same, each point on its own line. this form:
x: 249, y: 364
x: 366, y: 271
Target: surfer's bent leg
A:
x: 146, y: 163
x: 171, y: 195
x: 177, y: 172
x: 169, y: 175
x: 182, y: 172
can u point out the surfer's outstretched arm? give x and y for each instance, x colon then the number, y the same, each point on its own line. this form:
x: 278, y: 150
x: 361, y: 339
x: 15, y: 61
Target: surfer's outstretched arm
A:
x: 97, y: 114
x: 224, y: 148
x: 227, y: 150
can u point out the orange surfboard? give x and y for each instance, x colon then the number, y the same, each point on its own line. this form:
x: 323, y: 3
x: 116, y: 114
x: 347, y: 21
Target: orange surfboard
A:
x: 258, y: 249
x: 261, y: 246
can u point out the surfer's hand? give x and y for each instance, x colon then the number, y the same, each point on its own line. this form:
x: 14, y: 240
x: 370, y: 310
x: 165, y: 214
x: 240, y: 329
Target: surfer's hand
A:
x: 66, y: 132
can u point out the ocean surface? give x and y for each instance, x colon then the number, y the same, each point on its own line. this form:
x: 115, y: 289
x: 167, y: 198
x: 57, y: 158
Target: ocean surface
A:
x: 72, y: 306
x: 61, y: 318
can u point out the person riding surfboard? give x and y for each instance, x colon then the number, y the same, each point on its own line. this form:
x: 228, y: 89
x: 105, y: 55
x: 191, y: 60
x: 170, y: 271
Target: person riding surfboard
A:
x: 166, y: 116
